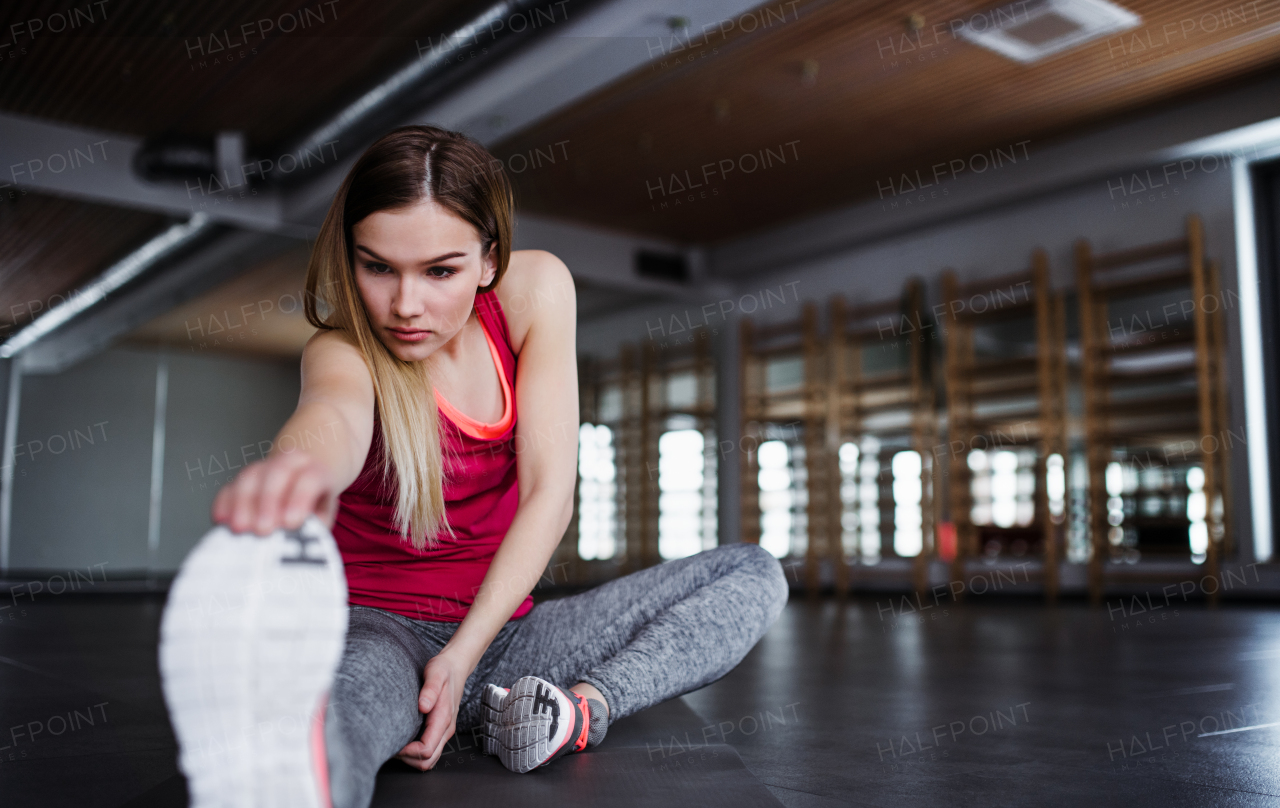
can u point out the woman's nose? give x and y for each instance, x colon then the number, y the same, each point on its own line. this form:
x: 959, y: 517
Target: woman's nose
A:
x: 408, y: 301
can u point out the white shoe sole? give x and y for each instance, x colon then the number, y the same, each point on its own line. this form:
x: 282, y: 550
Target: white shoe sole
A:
x: 528, y: 724
x: 251, y: 636
x: 491, y: 705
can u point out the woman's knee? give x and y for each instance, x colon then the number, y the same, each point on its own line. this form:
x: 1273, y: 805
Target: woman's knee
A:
x: 381, y: 666
x: 767, y: 582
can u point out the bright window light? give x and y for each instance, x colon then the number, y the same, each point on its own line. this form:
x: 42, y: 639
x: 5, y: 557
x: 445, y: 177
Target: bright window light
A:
x: 908, y: 537
x: 1004, y: 489
x: 1115, y: 503
x: 1196, y: 512
x: 597, y: 493
x: 860, y: 500
x: 1055, y: 484
x: 776, y: 497
x: 849, y: 522
x: 869, y: 500
x: 980, y: 487
x: 681, y: 465
x: 682, y: 390
x: 1115, y: 479
x: 1079, y: 544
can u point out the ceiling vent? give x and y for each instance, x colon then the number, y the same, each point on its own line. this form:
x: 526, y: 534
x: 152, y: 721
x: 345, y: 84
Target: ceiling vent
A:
x: 1030, y: 31
x: 662, y: 266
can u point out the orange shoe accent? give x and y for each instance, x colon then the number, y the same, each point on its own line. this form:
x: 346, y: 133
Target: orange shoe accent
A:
x: 319, y: 757
x: 471, y: 426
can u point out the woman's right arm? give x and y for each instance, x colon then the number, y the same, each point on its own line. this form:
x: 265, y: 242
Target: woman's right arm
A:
x: 317, y: 454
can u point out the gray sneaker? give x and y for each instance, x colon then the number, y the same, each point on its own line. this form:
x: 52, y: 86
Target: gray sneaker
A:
x: 534, y: 722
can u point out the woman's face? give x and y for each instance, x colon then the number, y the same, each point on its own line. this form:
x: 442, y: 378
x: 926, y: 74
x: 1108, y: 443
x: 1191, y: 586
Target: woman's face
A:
x: 418, y: 269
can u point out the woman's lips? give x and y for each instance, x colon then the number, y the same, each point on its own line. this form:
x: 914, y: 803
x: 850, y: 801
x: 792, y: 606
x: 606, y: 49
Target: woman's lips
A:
x: 409, y: 334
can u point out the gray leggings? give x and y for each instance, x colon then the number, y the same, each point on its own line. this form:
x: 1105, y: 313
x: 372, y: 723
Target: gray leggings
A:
x: 640, y: 639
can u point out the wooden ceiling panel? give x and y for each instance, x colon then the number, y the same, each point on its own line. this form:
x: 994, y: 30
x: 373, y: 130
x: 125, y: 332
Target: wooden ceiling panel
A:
x: 150, y: 67
x: 52, y: 246
x: 886, y: 98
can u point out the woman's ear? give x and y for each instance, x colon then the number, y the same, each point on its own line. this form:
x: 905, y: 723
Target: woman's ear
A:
x: 489, y: 266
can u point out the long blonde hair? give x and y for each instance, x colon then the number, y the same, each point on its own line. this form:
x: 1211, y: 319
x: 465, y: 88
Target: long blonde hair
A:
x: 405, y: 167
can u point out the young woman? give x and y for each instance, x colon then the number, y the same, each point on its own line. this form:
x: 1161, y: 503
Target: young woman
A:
x: 436, y: 434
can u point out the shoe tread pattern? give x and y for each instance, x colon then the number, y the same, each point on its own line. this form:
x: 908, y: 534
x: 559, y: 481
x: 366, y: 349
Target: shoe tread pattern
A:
x: 523, y: 733
x: 251, y: 636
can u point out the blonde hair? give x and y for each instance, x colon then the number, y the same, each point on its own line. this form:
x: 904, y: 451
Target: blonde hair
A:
x: 405, y: 167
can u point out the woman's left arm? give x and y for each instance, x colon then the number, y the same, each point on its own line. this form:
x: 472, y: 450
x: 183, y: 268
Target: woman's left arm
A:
x: 546, y: 443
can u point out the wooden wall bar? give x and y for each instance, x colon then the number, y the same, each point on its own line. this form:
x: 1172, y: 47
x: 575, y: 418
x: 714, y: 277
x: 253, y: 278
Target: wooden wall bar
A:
x: 840, y: 401
x: 885, y: 378
x: 1139, y: 407
x: 1022, y: 392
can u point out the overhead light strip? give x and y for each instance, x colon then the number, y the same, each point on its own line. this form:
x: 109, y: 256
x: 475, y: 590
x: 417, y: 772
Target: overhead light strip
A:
x: 117, y: 275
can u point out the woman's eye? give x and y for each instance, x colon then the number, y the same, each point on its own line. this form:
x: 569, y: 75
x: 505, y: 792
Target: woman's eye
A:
x: 377, y: 268
x: 444, y: 272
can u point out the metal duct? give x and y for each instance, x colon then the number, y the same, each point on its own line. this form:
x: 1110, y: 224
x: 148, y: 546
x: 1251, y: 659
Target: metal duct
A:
x: 118, y: 274
x: 424, y: 76
x: 374, y: 109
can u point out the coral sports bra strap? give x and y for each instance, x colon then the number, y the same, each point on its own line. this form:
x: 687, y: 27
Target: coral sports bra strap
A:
x: 471, y: 426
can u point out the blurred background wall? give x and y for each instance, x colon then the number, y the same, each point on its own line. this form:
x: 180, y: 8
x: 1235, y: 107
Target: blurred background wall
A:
x: 716, y: 175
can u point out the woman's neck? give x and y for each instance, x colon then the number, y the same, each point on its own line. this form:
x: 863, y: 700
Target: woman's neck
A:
x: 454, y: 351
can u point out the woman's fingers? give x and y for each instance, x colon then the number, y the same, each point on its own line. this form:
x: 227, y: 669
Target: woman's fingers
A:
x: 440, y: 724
x: 280, y: 491
x: 445, y: 738
x: 221, y: 512
x: 439, y: 728
x: 301, y: 500
x: 433, y: 680
x: 245, y: 498
x: 412, y: 755
x: 436, y: 701
x: 424, y: 753
x: 309, y: 485
x: 279, y: 479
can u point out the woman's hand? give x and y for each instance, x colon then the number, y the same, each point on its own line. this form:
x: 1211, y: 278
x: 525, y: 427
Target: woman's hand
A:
x: 278, y: 492
x: 443, y: 679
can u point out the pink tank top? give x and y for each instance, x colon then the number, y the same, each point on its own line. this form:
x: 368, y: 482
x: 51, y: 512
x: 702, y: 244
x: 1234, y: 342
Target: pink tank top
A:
x: 480, y: 494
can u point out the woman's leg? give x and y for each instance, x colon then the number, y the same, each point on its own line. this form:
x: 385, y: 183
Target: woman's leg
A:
x: 655, y: 634
x: 373, y: 704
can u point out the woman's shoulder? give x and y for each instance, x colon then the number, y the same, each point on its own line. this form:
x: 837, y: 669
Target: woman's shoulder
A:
x: 537, y: 287
x: 331, y: 355
x: 534, y: 278
x: 331, y: 342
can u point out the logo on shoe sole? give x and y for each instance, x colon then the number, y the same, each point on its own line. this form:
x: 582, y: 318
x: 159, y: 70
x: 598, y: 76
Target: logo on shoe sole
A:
x: 303, y: 543
x: 543, y: 699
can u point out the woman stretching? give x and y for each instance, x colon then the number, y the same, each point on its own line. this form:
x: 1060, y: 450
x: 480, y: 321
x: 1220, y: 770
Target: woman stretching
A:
x: 436, y: 435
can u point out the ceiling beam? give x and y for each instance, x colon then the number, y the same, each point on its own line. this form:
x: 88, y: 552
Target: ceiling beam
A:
x: 96, y: 165
x: 606, y: 259
x: 1103, y: 155
x: 584, y: 55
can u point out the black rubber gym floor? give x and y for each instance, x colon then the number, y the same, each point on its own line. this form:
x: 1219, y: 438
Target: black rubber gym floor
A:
x: 983, y: 704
